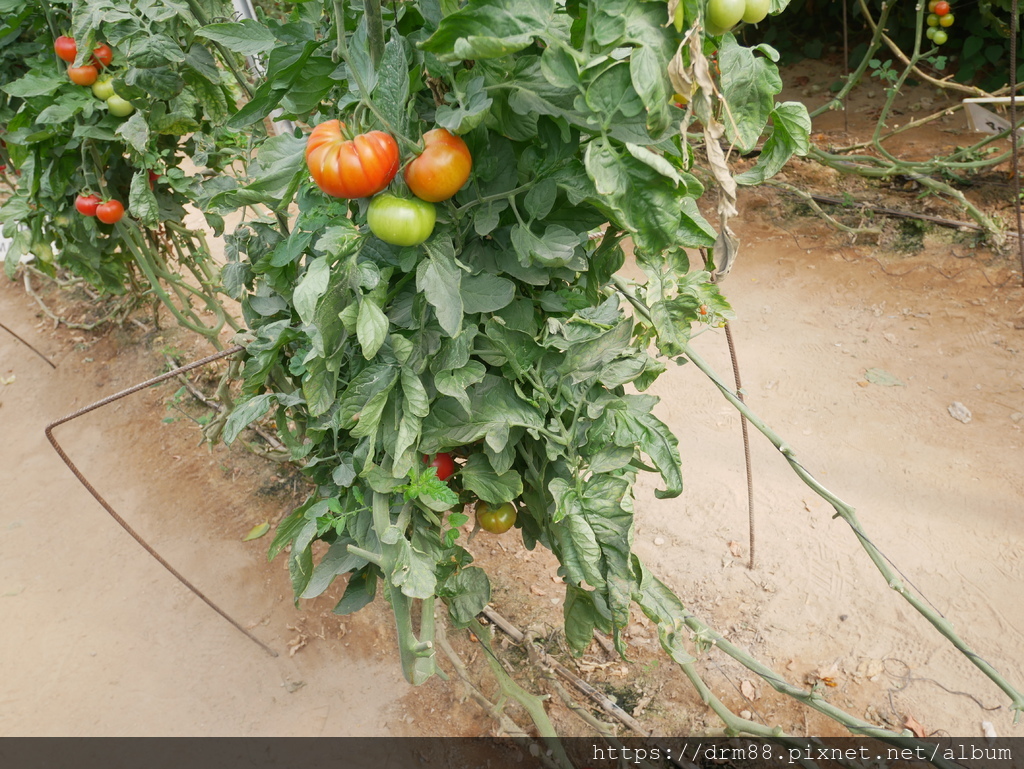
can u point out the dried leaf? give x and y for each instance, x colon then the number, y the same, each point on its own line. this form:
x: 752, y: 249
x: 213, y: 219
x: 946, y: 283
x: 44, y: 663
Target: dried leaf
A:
x: 256, y: 531
x: 736, y: 549
x: 536, y: 590
x: 749, y: 691
x: 911, y: 723
x: 882, y: 377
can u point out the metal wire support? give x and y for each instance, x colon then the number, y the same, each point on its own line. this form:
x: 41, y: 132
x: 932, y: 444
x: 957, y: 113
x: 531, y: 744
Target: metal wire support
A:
x: 113, y: 513
x: 29, y: 346
x: 746, y: 444
x: 1015, y: 135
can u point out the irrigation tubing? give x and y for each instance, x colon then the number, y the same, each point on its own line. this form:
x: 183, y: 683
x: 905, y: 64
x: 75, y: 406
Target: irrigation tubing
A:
x: 113, y: 513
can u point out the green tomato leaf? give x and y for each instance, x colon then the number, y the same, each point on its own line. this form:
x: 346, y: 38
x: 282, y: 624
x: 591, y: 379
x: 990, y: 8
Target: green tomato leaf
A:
x: 413, y: 572
x: 392, y: 89
x: 244, y: 414
x: 791, y: 128
x: 468, y: 104
x: 480, y: 478
x: 486, y: 293
x: 371, y: 328
x: 440, y: 280
x: 141, y: 200
x: 467, y: 593
x: 135, y: 131
x: 311, y: 287
x: 361, y: 590
x: 749, y: 85
x: 487, y: 29
x: 247, y: 37
x: 34, y: 83
x: 494, y: 407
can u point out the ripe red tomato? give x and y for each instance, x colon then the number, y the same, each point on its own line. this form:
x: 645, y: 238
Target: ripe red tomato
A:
x: 102, y: 55
x: 350, y: 168
x: 495, y: 519
x: 941, y: 8
x: 86, y: 204
x: 441, y: 169
x: 65, y: 48
x: 85, y: 75
x: 110, y: 212
x: 444, y: 463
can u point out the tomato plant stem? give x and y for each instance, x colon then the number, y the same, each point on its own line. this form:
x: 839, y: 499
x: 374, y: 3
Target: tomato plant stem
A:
x: 847, y: 513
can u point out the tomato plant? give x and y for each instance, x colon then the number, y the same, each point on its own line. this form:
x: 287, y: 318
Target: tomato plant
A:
x: 86, y: 204
x: 84, y: 75
x: 350, y: 168
x: 493, y: 324
x: 110, y: 211
x: 401, y: 221
x: 496, y: 519
x: 441, y: 169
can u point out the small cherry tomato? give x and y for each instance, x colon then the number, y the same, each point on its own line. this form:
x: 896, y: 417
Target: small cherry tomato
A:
x: 350, y: 168
x: 931, y: 5
x: 86, y: 204
x: 444, y: 463
x: 102, y: 55
x: 65, y: 48
x: 940, y: 37
x: 941, y: 8
x: 110, y: 212
x: 946, y: 20
x: 932, y: 20
x: 930, y: 32
x: 496, y: 519
x: 401, y: 221
x: 441, y: 169
x: 85, y: 75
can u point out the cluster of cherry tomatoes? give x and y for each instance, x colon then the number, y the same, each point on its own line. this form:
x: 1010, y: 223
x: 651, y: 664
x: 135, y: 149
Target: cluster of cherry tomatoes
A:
x: 107, y: 211
x: 939, y: 19
x: 89, y: 74
x: 364, y: 165
x: 496, y: 519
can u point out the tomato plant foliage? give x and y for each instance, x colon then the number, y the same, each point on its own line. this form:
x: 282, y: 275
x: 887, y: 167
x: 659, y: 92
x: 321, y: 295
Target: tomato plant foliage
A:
x: 504, y: 338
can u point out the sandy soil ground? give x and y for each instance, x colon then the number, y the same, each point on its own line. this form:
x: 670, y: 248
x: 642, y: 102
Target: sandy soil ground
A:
x: 854, y: 355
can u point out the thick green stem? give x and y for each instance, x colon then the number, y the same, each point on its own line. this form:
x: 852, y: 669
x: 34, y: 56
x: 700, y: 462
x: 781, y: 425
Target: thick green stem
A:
x: 533, y: 704
x: 374, y: 31
x: 855, y: 76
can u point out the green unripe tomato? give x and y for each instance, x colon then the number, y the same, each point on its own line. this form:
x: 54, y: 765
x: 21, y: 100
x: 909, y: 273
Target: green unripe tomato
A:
x: 930, y: 32
x: 103, y: 89
x: 940, y: 37
x: 932, y: 20
x: 723, y: 15
x: 946, y: 21
x: 401, y: 221
x: 755, y: 11
x: 497, y: 519
x: 119, y: 107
